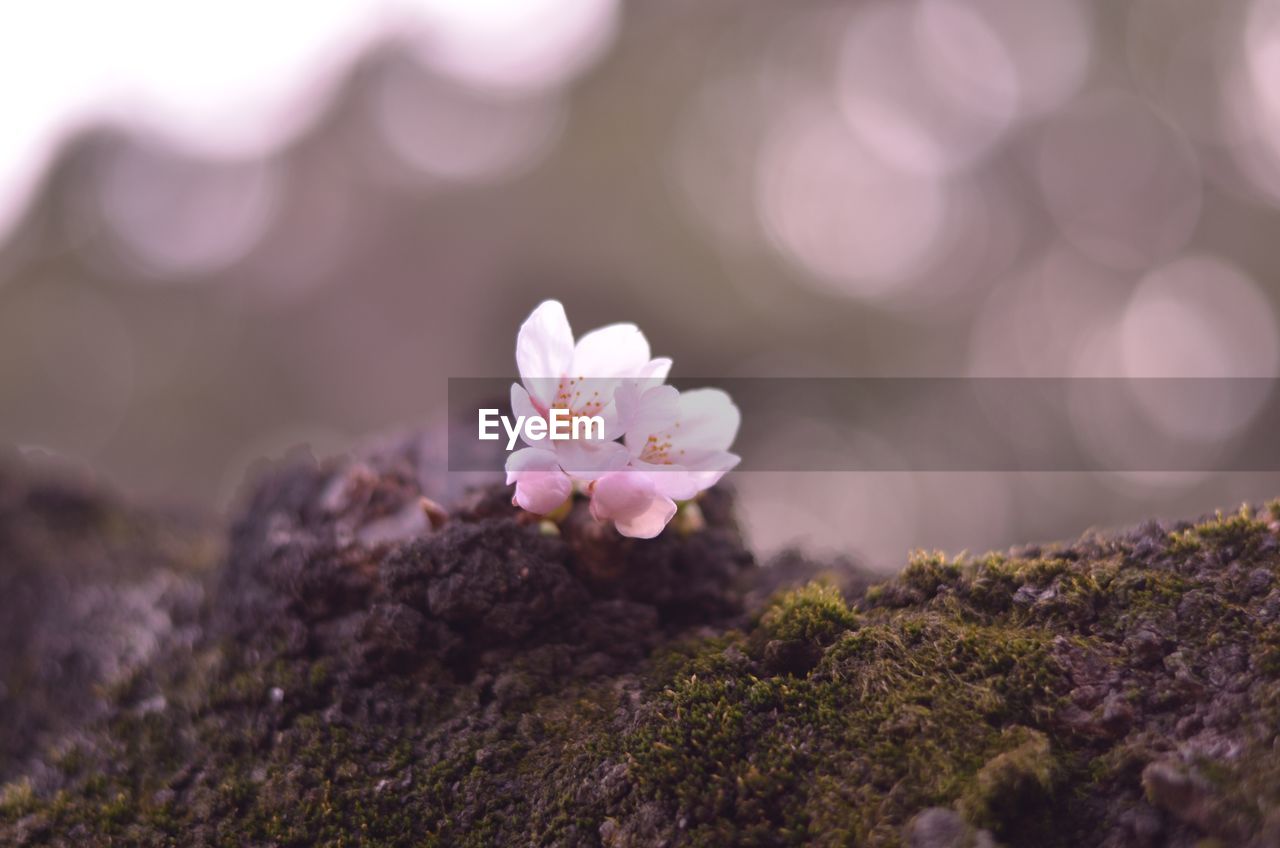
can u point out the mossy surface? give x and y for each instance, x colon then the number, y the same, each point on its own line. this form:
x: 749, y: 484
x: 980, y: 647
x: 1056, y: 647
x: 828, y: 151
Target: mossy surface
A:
x: 488, y: 685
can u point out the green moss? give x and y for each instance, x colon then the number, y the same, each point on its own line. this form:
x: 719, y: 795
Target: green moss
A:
x: 1267, y: 652
x: 1238, y: 528
x: 927, y: 571
x: 1013, y: 783
x: 900, y: 714
x: 17, y: 798
x: 319, y: 676
x: 816, y: 613
x: 956, y: 685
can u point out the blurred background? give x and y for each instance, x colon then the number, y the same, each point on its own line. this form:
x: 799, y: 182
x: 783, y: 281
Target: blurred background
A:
x: 226, y: 229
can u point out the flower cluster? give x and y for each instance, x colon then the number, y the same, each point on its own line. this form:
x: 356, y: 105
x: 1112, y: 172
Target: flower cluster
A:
x: 659, y: 445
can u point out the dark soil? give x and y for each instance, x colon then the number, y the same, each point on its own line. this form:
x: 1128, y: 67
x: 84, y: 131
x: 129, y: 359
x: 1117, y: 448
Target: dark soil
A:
x: 360, y: 667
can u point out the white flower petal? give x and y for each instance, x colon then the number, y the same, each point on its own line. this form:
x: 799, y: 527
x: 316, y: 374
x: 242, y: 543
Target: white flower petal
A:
x: 587, y: 461
x: 705, y: 471
x: 544, y: 346
x: 529, y: 460
x: 619, y: 350
x: 643, y: 412
x: 613, y: 428
x: 608, y: 414
x: 657, y: 370
x: 521, y: 403
x: 708, y: 420
x: 674, y: 482
x: 626, y: 399
x: 682, y: 482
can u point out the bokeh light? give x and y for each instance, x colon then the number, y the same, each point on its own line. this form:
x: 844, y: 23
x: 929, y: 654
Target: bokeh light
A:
x: 1050, y: 45
x: 454, y: 133
x: 1200, y: 317
x: 1122, y: 184
x: 857, y: 224
x: 226, y: 229
x: 1034, y: 323
x: 927, y: 85
x: 177, y: 218
x: 241, y: 77
x: 1250, y: 106
x: 515, y: 44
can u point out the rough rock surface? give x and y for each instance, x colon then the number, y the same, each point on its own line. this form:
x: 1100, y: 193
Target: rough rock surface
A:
x: 364, y: 669
x: 89, y: 592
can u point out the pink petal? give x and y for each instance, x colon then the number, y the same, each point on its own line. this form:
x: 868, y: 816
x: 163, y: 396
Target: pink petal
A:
x: 650, y: 522
x: 541, y: 485
x: 621, y: 495
x: 630, y: 501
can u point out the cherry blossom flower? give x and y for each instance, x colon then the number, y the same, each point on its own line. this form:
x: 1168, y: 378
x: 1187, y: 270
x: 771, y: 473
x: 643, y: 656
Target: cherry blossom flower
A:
x: 678, y: 444
x: 556, y: 372
x: 682, y: 437
x: 581, y: 377
x: 674, y: 444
